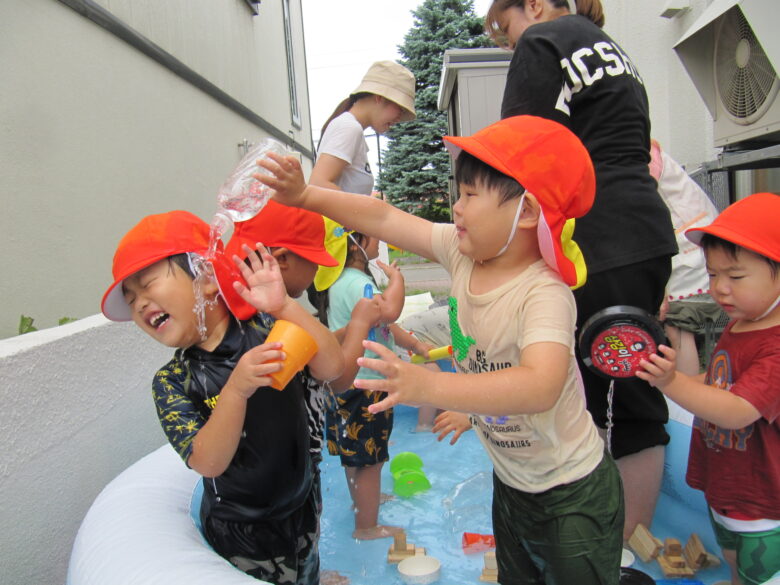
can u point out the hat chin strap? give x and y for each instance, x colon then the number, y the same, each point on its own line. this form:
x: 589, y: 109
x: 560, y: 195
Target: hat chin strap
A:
x: 769, y: 310
x: 511, y: 232
x: 351, y: 237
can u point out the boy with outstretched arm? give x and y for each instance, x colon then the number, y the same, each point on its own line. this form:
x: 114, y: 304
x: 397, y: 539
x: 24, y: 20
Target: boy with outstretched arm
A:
x: 557, y: 501
x: 735, y: 444
x: 249, y: 442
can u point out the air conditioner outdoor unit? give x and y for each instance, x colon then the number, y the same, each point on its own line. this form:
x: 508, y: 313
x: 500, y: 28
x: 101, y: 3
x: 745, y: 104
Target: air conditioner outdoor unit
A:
x: 732, y: 55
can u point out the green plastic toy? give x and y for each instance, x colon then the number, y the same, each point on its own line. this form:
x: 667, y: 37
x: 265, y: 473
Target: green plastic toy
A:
x: 408, y: 476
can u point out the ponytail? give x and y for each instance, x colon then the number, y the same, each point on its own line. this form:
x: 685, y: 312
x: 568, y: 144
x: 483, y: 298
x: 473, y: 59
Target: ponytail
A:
x: 590, y: 9
x: 344, y: 106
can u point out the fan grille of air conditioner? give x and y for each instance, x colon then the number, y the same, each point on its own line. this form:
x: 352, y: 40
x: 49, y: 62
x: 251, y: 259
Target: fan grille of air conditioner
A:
x: 745, y: 79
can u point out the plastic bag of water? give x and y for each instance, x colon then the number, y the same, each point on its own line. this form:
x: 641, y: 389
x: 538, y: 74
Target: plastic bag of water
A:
x: 241, y: 196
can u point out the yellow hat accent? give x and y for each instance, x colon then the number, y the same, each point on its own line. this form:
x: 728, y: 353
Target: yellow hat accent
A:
x: 336, y: 245
x: 572, y: 251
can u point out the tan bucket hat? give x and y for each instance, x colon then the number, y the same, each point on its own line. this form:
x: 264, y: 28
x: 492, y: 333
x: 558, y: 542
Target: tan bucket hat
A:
x: 392, y: 81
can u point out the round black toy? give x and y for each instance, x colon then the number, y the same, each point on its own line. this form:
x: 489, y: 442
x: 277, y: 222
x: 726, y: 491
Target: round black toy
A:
x: 614, y: 340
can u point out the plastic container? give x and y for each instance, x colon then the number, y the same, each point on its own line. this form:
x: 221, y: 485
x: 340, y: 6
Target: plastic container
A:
x: 474, y: 543
x: 298, y: 346
x: 419, y: 570
x: 241, y: 196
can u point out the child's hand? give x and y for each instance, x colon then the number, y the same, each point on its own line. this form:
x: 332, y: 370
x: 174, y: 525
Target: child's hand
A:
x: 265, y: 289
x: 391, y: 270
x: 366, y: 312
x: 404, y: 383
x: 253, y: 369
x: 287, y: 179
x: 659, y: 371
x: 451, y: 422
x: 422, y: 348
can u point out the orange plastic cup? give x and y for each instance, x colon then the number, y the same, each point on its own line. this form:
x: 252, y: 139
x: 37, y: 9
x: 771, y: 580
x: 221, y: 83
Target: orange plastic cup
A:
x: 297, y: 344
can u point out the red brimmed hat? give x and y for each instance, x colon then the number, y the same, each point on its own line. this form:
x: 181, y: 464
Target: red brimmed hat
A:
x: 160, y: 236
x: 752, y: 223
x: 278, y: 226
x: 548, y: 160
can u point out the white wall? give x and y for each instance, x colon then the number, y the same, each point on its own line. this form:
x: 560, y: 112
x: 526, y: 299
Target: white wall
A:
x: 76, y: 410
x: 94, y: 134
x: 680, y: 122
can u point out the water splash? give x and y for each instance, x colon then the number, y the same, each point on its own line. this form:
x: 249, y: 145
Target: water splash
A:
x: 240, y: 198
x: 203, y: 273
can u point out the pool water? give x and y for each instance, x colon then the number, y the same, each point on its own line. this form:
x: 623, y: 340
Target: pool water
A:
x: 459, y: 501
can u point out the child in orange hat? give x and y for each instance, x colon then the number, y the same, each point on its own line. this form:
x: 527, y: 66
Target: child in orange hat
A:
x: 557, y: 500
x: 248, y: 441
x: 736, y: 438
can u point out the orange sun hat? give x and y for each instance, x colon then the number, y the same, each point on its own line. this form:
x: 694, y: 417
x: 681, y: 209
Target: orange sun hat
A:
x: 279, y: 226
x: 160, y: 236
x: 552, y: 164
x: 752, y: 223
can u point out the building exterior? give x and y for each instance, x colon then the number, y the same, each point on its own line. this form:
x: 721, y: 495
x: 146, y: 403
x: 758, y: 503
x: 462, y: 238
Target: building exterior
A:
x: 114, y: 109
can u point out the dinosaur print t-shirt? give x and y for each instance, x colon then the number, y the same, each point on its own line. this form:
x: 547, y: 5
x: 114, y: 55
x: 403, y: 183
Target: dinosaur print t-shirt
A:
x: 533, y: 452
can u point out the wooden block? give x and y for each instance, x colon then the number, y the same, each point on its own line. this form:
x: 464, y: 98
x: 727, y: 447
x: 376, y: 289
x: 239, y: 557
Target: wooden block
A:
x: 399, y: 541
x: 672, y: 547
x: 490, y: 560
x: 694, y: 552
x: 670, y: 571
x: 675, y: 561
x: 489, y: 575
x: 712, y: 561
x: 396, y: 556
x: 644, y: 543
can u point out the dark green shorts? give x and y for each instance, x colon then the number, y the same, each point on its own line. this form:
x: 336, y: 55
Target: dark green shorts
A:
x: 758, y: 553
x: 572, y: 533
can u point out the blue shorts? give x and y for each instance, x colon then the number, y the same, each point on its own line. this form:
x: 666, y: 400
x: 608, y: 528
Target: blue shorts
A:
x: 358, y: 437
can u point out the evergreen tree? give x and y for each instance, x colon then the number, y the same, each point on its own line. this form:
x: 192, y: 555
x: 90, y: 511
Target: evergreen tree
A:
x: 415, y: 165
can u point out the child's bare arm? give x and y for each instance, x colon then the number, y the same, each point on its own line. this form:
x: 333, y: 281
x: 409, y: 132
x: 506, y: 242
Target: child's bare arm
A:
x: 215, y: 444
x: 533, y: 386
x: 365, y: 315
x: 367, y: 215
x: 408, y: 341
x: 393, y: 297
x: 713, y: 404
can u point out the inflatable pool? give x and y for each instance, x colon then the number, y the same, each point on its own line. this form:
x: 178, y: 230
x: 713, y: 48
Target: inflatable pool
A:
x: 140, y: 529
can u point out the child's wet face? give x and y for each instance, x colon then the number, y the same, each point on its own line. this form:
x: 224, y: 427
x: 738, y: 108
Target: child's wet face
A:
x: 482, y: 223
x: 162, y: 298
x: 743, y: 286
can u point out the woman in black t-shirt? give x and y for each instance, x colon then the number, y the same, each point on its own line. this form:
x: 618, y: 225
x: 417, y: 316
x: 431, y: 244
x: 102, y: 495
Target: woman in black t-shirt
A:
x: 565, y: 68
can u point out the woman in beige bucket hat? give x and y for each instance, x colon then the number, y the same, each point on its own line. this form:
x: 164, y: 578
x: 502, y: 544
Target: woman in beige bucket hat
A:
x: 384, y: 97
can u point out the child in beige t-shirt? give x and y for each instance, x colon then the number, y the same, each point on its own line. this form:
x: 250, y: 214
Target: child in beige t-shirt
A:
x: 557, y: 500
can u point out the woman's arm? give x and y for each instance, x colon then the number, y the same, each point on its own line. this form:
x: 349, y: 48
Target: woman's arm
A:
x: 327, y: 171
